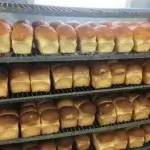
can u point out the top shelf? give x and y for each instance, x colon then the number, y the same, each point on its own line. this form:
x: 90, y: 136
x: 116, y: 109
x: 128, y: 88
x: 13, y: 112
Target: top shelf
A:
x: 73, y: 11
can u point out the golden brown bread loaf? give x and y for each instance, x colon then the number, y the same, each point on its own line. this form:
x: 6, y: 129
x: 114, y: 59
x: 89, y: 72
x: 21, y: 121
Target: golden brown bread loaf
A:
x: 9, y: 121
x: 82, y: 142
x: 3, y: 82
x: 123, y: 38
x: 124, y: 109
x: 141, y: 39
x: 5, y: 21
x: 65, y: 143
x: 73, y: 23
x: 120, y: 139
x: 62, y: 77
x: 5, y: 33
x: 22, y: 38
x: 101, y: 76
x: 136, y: 137
x: 29, y: 121
x: 106, y: 113
x: 146, y: 73
x: 146, y: 128
x: 47, y: 145
x: 38, y: 23
x: 133, y: 74
x: 49, y: 116
x: 118, y: 72
x: 141, y: 107
x: 40, y: 78
x: 81, y: 76
x: 46, y: 39
x: 105, y: 38
x: 19, y: 79
x: 68, y: 116
x: 67, y: 38
x: 104, y: 141
x: 87, y: 111
x: 87, y: 38
x: 55, y: 24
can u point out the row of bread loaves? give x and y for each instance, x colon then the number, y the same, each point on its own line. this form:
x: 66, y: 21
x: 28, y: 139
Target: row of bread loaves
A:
x: 120, y: 108
x: 50, y: 117
x: 64, y: 37
x: 120, y: 139
x: 100, y: 75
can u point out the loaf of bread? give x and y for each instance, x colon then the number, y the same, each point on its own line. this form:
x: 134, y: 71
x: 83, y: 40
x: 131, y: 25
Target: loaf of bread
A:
x: 146, y: 128
x: 46, y: 39
x: 120, y: 139
x: 118, y: 72
x: 141, y: 107
x: 29, y: 120
x: 38, y: 23
x: 68, y: 113
x: 62, y: 77
x: 55, y: 24
x: 141, y: 39
x: 65, y: 143
x: 101, y: 76
x: 82, y: 142
x: 22, y: 38
x: 104, y: 141
x: 47, y: 145
x: 105, y: 38
x: 40, y: 78
x: 5, y: 33
x: 49, y: 116
x: 19, y: 79
x: 68, y: 116
x: 106, y: 113
x: 67, y: 38
x: 87, y: 111
x: 133, y: 74
x: 87, y: 38
x: 124, y: 109
x: 136, y: 137
x: 9, y: 121
x: 123, y: 38
x: 81, y: 76
x: 3, y: 82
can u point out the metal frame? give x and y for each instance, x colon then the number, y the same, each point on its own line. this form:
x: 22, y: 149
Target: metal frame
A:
x: 83, y: 91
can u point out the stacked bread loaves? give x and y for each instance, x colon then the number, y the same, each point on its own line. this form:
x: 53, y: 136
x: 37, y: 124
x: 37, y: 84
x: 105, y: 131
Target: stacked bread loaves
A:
x: 120, y: 139
x: 59, y: 37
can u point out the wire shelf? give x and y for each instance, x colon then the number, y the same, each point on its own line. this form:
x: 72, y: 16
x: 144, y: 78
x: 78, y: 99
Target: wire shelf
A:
x: 73, y: 11
x: 80, y: 91
x: 14, y: 58
x: 78, y: 131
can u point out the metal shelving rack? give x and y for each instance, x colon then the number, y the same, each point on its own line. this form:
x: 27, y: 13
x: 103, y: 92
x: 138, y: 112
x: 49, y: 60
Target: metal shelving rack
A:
x: 83, y: 91
x: 35, y: 57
